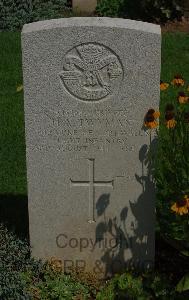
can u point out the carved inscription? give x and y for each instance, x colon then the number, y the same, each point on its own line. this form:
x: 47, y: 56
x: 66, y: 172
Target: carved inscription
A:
x: 79, y: 131
x: 91, y: 72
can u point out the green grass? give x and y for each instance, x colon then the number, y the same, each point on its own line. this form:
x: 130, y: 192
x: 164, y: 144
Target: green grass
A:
x: 175, y: 59
x: 12, y: 142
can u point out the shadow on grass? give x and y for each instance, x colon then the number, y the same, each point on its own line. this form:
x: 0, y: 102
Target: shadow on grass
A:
x: 14, y: 214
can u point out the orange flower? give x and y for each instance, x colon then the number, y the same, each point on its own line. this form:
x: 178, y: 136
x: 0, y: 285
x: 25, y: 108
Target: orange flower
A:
x: 156, y: 114
x: 163, y: 85
x: 178, y: 80
x: 181, y: 207
x: 150, y: 119
x: 170, y: 119
x: 151, y: 125
x: 171, y: 123
x: 182, y: 98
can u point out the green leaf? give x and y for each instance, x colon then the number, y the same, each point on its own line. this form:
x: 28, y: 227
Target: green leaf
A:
x: 185, y: 252
x: 183, y: 284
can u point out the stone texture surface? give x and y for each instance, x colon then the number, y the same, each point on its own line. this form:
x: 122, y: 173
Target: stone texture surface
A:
x: 84, y: 5
x: 88, y: 83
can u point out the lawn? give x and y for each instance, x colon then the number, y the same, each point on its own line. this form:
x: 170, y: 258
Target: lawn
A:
x: 175, y: 59
x: 12, y: 154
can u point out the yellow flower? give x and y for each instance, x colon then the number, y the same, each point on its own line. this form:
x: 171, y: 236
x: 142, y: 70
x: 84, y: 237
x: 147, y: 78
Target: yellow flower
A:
x: 182, y: 98
x: 181, y: 207
x: 171, y: 123
x: 178, y: 81
x: 19, y: 88
x: 163, y: 85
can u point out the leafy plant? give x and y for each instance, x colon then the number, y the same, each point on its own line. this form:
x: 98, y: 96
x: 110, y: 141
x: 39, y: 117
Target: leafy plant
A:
x: 172, y: 167
x: 14, y: 259
x: 154, y: 10
x: 146, y: 10
x: 109, y: 8
x: 22, y: 277
x: 15, y: 13
x: 61, y: 286
x: 133, y: 286
x: 183, y: 284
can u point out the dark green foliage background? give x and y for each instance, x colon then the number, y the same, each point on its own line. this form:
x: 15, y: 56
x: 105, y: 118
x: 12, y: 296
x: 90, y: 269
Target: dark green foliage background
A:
x: 15, y: 13
x: 109, y: 8
x: 145, y: 10
x: 14, y: 259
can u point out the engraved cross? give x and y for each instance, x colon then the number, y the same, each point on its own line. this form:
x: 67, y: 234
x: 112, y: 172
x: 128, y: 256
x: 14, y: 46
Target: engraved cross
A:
x: 91, y: 184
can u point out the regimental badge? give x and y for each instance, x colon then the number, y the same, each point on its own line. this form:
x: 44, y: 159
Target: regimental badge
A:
x: 91, y: 72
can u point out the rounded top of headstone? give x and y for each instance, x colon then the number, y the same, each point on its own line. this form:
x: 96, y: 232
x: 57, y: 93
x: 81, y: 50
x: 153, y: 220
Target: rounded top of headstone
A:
x: 92, y: 22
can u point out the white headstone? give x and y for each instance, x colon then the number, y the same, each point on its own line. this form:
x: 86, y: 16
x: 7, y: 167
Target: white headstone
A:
x: 88, y: 83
